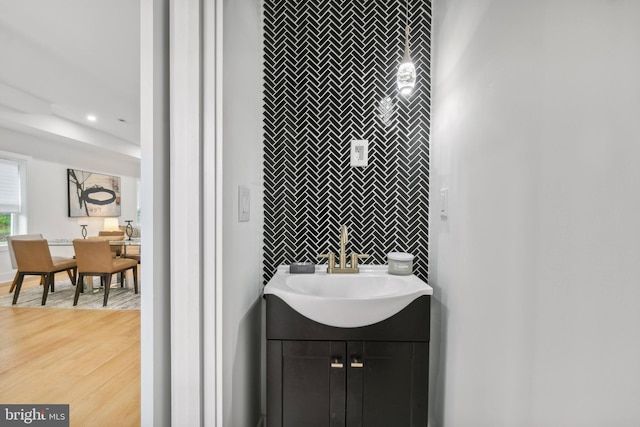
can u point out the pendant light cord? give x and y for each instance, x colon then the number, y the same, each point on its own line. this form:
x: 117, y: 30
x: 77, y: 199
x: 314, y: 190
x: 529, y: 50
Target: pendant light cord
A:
x: 407, y: 15
x: 407, y: 55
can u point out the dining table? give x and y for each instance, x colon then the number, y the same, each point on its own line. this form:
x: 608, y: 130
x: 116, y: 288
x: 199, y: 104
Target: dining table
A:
x: 124, y: 243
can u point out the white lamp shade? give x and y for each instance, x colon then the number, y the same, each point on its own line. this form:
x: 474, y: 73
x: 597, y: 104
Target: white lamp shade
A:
x: 111, y: 224
x: 83, y: 220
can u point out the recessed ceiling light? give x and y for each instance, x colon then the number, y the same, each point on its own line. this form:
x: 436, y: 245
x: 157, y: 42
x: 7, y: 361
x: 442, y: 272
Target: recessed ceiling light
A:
x: 92, y: 118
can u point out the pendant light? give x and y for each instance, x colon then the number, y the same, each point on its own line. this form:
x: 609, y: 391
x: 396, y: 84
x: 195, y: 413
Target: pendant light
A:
x: 406, y: 71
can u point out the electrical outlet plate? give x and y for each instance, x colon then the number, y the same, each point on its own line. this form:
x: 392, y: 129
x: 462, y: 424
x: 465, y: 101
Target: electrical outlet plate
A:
x: 359, y: 152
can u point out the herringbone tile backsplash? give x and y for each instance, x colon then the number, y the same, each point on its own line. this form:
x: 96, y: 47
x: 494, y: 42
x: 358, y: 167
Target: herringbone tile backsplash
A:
x: 330, y: 77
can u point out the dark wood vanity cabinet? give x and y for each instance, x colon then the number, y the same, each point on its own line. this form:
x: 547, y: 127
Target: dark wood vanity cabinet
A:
x: 322, y: 376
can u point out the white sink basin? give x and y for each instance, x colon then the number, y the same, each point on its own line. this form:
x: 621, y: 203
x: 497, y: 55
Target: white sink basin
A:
x: 347, y: 300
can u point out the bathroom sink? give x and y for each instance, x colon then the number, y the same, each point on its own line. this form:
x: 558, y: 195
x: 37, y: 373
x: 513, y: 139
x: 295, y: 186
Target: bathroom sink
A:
x: 347, y: 300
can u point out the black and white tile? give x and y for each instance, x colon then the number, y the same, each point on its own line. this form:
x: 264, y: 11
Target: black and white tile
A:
x: 329, y: 77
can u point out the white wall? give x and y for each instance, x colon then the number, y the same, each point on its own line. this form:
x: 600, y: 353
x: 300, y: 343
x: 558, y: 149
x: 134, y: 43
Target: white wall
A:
x: 47, y: 207
x: 242, y: 258
x: 535, y: 270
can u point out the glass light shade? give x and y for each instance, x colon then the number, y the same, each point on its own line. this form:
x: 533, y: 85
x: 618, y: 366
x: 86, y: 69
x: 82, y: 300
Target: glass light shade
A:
x: 406, y: 78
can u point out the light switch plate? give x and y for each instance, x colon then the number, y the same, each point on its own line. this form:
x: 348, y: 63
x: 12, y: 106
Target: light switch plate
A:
x: 359, y: 152
x: 444, y: 202
x: 243, y: 204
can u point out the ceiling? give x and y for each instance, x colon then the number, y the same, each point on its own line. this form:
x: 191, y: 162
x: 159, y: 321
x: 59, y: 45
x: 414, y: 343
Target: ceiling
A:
x: 65, y: 59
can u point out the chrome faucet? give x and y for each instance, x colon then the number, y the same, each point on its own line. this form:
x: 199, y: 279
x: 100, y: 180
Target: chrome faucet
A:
x: 342, y: 266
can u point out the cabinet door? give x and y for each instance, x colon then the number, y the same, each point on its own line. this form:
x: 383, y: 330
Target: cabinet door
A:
x: 313, y: 383
x: 387, y: 384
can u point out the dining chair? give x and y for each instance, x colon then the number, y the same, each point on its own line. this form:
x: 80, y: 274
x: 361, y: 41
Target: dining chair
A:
x: 133, y: 252
x: 94, y: 259
x: 113, y: 236
x: 12, y: 256
x: 34, y: 259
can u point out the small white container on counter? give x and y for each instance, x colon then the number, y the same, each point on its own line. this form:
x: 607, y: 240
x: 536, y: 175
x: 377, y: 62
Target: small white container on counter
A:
x: 400, y: 263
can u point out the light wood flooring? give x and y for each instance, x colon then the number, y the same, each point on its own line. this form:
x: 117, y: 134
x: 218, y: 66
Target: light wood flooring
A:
x: 89, y: 359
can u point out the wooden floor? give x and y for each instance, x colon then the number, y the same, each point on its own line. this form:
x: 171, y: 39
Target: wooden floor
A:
x: 89, y: 359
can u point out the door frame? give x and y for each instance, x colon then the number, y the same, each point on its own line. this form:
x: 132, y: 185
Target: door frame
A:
x: 181, y: 176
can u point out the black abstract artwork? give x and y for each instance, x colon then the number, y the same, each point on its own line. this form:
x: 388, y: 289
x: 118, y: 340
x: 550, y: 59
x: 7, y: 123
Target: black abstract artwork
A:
x: 93, y: 194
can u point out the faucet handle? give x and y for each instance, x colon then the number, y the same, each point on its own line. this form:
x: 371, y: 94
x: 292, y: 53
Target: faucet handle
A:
x: 355, y: 257
x: 331, y: 257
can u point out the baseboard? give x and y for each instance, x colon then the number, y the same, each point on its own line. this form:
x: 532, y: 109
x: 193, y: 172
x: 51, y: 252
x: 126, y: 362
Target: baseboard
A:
x: 7, y: 277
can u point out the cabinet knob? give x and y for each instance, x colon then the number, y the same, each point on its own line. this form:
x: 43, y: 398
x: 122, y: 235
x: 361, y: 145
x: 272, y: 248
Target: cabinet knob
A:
x: 356, y: 362
x: 336, y: 363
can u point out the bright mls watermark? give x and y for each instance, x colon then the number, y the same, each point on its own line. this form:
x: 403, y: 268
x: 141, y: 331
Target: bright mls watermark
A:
x: 34, y: 415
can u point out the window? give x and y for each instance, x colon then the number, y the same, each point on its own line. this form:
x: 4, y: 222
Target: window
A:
x: 12, y: 180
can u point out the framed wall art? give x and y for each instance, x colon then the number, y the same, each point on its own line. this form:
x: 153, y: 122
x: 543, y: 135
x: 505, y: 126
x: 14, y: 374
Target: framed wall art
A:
x: 93, y: 194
